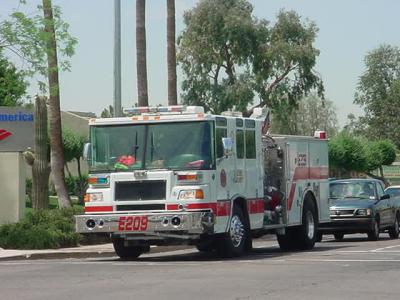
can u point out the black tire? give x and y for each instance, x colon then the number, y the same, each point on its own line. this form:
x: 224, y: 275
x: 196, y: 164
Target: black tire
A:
x: 233, y: 243
x: 338, y: 236
x: 287, y: 241
x: 318, y: 239
x: 128, y: 252
x: 309, y: 227
x: 373, y: 234
x: 206, y: 247
x: 394, y: 230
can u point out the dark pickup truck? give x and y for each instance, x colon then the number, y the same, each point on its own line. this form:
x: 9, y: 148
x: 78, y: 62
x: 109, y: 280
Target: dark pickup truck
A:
x: 361, y: 206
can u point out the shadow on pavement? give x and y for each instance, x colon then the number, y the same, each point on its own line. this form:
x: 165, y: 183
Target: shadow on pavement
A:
x: 256, y: 253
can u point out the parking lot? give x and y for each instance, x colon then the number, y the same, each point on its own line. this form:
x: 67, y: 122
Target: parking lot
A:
x: 354, y: 268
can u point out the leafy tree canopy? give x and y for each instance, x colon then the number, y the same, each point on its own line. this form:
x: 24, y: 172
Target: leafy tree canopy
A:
x: 350, y: 153
x: 378, y: 92
x: 12, y: 83
x: 23, y: 36
x: 229, y: 57
x: 311, y: 114
x: 73, y: 145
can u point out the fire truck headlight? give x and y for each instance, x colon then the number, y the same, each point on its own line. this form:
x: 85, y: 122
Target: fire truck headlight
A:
x: 191, y: 194
x: 93, y: 197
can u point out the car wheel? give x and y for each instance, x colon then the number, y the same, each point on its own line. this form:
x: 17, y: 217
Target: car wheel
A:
x: 128, y: 252
x: 394, y: 230
x: 338, y: 236
x: 373, y: 234
x: 233, y: 243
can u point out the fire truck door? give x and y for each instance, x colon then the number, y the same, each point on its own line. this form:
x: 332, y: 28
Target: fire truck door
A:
x: 239, y: 172
x: 319, y: 177
x: 298, y: 178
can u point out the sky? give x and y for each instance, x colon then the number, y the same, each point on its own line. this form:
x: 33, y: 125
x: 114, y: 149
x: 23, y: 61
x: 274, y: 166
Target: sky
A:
x: 348, y: 30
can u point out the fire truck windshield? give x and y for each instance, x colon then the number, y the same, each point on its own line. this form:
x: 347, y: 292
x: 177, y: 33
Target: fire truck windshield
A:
x: 173, y: 146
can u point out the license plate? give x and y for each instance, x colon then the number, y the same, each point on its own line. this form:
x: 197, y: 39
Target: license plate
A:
x: 132, y: 223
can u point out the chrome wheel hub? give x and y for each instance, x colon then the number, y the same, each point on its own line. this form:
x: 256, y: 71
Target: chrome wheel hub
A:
x: 236, y: 231
x: 310, y: 225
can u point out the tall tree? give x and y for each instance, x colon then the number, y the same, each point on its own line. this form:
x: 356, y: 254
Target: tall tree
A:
x: 229, y: 57
x: 312, y: 113
x: 378, y: 92
x: 141, y: 64
x: 57, y: 152
x: 35, y: 39
x: 171, y: 53
x: 12, y: 83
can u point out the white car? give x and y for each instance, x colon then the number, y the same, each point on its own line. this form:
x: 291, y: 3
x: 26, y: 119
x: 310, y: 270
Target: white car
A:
x: 393, y: 191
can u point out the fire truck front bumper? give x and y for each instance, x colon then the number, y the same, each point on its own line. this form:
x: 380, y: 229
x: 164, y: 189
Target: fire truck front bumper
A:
x: 173, y: 224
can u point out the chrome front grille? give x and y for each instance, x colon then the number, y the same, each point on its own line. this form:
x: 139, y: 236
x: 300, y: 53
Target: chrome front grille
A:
x: 341, y: 212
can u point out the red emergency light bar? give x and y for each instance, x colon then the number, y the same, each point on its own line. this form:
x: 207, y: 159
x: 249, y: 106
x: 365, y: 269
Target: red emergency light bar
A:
x: 320, y: 134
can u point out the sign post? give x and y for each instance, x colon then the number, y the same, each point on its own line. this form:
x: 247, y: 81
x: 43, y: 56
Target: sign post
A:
x: 16, y: 135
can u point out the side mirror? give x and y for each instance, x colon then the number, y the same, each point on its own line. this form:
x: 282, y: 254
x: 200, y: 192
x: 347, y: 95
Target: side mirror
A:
x: 87, y: 151
x: 385, y: 196
x: 227, y: 144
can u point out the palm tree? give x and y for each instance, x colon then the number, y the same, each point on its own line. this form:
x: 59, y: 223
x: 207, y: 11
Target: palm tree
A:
x: 171, y: 53
x: 141, y: 64
x: 57, y: 151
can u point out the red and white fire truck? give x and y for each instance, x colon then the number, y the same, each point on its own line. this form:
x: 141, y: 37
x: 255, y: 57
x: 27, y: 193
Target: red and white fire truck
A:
x: 176, y: 175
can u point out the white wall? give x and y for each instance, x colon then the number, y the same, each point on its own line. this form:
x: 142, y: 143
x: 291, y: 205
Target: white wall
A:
x: 12, y: 187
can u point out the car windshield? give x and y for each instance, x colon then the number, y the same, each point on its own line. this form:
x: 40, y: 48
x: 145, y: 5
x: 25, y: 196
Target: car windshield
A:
x: 393, y: 192
x: 356, y: 190
x: 177, y: 146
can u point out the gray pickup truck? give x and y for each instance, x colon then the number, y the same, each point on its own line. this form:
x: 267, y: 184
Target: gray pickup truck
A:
x: 361, y: 206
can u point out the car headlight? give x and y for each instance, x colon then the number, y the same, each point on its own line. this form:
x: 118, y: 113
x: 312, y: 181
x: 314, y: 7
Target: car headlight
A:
x: 364, y: 212
x: 191, y: 194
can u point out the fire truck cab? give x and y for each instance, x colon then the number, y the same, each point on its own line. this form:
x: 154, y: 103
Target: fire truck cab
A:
x: 175, y: 175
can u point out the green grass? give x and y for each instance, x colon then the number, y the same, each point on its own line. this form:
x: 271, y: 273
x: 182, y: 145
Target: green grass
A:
x: 53, y: 204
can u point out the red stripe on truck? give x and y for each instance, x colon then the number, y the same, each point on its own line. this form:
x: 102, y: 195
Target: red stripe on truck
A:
x: 98, y: 208
x: 303, y: 173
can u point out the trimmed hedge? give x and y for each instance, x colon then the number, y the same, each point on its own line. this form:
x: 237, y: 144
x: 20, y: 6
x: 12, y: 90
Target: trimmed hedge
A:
x: 42, y: 229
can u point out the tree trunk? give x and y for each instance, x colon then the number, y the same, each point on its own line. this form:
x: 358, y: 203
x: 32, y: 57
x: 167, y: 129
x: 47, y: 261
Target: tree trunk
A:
x: 171, y: 53
x: 40, y: 167
x: 57, y: 151
x: 141, y: 64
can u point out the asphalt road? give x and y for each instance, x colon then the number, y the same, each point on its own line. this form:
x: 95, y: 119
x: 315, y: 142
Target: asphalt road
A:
x: 352, y: 269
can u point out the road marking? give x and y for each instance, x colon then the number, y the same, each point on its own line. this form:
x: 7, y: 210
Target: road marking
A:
x: 388, y: 247
x: 345, y: 260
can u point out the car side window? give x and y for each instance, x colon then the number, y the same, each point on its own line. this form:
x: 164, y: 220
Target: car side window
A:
x: 381, y: 192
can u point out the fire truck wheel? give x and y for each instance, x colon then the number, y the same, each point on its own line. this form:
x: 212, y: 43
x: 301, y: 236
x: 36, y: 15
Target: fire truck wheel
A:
x: 287, y: 241
x: 128, y: 252
x: 308, y: 229
x: 207, y: 246
x: 233, y: 243
x: 319, y: 237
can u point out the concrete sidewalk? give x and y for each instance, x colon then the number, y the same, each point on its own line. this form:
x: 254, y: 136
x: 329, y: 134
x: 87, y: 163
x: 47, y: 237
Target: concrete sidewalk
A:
x: 103, y: 250
x: 93, y: 251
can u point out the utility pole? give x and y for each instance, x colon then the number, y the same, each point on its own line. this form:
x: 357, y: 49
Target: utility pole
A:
x: 117, y: 58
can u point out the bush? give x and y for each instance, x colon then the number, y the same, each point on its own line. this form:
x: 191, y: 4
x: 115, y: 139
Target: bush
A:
x: 77, y: 186
x: 42, y: 229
